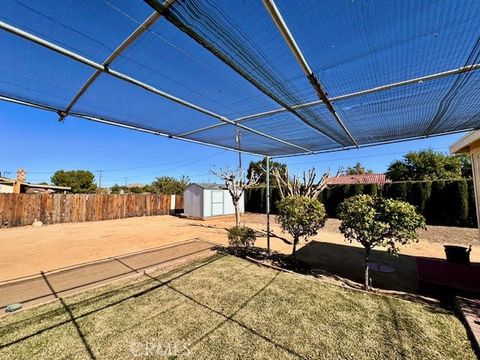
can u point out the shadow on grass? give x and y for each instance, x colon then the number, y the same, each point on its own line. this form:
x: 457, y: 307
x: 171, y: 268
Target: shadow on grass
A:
x: 321, y: 258
x: 348, y: 261
x: 91, y: 301
x: 72, y: 318
x: 230, y: 318
x: 157, y: 283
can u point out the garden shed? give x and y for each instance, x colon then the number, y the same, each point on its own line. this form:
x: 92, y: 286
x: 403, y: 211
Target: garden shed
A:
x: 204, y: 200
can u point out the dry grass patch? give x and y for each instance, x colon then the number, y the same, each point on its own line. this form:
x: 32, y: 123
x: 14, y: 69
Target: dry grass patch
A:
x: 225, y: 307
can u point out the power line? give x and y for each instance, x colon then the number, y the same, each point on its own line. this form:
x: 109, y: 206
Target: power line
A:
x: 160, y: 165
x: 99, y: 178
x: 179, y: 167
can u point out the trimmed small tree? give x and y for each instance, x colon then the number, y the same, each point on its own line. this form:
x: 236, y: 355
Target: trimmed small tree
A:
x: 374, y: 221
x: 236, y: 186
x: 300, y: 216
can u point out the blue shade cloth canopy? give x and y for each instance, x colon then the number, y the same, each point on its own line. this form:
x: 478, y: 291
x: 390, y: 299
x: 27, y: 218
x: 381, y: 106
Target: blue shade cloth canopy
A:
x: 287, y: 77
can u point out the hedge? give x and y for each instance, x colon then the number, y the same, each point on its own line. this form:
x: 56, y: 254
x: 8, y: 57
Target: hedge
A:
x: 443, y: 202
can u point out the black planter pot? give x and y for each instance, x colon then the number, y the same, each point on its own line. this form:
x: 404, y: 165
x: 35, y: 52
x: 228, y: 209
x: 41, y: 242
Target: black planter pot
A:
x: 458, y: 254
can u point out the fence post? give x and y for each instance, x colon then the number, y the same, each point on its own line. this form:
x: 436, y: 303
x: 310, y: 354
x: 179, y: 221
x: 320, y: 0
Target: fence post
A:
x: 173, y: 201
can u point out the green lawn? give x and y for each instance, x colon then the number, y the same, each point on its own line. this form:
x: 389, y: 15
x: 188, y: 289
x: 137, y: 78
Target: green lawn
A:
x: 225, y: 307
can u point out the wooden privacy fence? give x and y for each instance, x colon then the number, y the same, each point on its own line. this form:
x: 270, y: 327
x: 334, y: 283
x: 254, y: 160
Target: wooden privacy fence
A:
x: 23, y: 209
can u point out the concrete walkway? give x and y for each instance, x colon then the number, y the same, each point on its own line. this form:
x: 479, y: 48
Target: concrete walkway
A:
x: 50, y: 285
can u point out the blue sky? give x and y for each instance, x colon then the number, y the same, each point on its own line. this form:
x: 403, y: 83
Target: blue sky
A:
x: 403, y: 43
x: 34, y: 139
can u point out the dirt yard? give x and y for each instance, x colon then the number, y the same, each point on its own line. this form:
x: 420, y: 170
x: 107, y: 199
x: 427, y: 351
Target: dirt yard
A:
x: 29, y: 250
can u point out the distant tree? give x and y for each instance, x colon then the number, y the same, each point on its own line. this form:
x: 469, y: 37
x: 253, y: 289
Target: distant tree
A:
x: 149, y: 189
x: 259, y: 169
x: 81, y: 181
x: 116, y: 189
x: 358, y: 169
x: 427, y: 165
x: 466, y: 165
x: 169, y: 185
x: 300, y: 216
x: 399, y: 170
x: 136, y: 189
x: 375, y: 221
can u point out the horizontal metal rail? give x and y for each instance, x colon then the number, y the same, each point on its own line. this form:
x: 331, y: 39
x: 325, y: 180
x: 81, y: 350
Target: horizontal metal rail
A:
x: 123, y: 125
x: 395, y: 141
x: 179, y: 137
x: 102, y: 68
x: 418, y: 80
x: 116, y: 53
x: 236, y: 67
x: 292, y: 44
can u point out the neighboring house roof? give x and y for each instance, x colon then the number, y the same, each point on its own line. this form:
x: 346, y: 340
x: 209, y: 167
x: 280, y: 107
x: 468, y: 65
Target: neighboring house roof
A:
x: 466, y: 143
x: 53, y: 187
x: 209, y: 186
x: 7, y: 181
x: 379, y: 179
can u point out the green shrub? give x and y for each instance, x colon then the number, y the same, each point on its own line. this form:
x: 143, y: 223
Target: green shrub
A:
x: 439, y: 200
x: 396, y: 191
x: 300, y: 216
x: 472, y: 207
x: 457, y: 206
x: 419, y: 195
x: 432, y: 199
x: 241, y: 236
x: 370, y: 189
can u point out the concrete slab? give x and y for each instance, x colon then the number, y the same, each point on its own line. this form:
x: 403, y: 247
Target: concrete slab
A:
x: 47, y: 286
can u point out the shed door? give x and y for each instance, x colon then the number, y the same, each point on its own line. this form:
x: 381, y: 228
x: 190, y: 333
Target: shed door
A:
x: 217, y: 202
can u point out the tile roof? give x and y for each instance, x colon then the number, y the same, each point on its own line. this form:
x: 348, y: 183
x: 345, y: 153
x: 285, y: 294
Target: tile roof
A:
x: 379, y: 179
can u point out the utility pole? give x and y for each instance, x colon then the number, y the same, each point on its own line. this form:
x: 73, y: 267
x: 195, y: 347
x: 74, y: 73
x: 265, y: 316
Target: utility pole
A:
x: 99, y: 178
x: 237, y: 139
x: 126, y: 180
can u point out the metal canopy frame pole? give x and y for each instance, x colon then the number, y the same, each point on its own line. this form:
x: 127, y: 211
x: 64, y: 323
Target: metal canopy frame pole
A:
x: 290, y: 40
x: 228, y: 61
x: 179, y: 137
x: 116, y: 53
x: 418, y: 80
x: 122, y: 125
x: 268, y: 203
x: 102, y: 68
x: 387, y: 142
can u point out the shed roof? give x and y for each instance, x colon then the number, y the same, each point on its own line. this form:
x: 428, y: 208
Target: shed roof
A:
x: 209, y: 186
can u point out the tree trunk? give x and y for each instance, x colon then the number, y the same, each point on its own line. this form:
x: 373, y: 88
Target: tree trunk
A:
x: 237, y: 214
x: 367, y: 267
x: 295, y: 241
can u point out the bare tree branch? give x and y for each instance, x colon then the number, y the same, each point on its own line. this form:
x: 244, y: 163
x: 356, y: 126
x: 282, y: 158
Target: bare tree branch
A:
x: 236, y: 186
x: 306, y: 185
